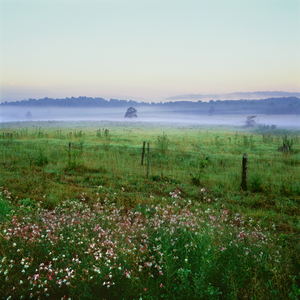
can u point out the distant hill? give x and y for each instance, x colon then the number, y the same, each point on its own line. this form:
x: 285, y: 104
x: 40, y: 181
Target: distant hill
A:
x: 282, y: 105
x: 234, y: 96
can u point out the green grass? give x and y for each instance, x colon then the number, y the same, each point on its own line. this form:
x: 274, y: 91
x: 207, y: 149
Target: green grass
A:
x: 40, y: 174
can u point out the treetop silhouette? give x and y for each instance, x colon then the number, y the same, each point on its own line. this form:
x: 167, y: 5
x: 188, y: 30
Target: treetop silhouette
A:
x: 131, y: 113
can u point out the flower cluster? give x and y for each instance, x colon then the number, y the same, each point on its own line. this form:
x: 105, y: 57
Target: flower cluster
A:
x: 55, y: 252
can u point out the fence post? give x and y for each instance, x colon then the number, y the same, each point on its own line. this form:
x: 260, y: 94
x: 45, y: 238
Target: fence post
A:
x: 148, y: 159
x: 69, y: 154
x: 244, y: 172
x: 143, y: 153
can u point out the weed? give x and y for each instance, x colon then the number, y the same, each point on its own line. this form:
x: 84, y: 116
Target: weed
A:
x: 246, y: 141
x: 199, y: 176
x: 41, y: 159
x: 267, y: 138
x: 287, y: 144
x: 162, y: 143
x: 6, y: 208
x: 73, y: 160
x: 78, y: 134
x: 256, y: 183
x: 295, y: 293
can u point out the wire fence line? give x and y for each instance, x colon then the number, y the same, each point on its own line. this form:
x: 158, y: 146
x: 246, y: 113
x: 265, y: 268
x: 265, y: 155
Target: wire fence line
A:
x: 280, y: 157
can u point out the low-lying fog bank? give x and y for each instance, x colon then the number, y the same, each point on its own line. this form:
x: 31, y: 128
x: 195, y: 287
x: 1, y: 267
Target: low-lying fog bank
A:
x: 12, y: 114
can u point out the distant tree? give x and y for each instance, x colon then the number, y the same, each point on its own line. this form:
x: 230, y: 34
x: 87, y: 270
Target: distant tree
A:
x: 250, y: 121
x: 131, y: 113
x: 28, y: 115
x: 211, y: 111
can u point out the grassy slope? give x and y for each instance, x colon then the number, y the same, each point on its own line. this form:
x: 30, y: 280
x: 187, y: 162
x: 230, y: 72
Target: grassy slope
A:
x: 34, y: 164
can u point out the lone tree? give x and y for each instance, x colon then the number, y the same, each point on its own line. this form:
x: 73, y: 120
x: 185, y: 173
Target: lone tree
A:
x: 131, y: 113
x: 250, y: 121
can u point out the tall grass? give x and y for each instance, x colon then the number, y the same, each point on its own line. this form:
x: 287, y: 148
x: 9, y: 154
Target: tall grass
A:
x: 169, y: 248
x: 87, y: 223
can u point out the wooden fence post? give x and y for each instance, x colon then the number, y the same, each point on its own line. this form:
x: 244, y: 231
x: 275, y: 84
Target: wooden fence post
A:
x: 244, y: 172
x: 143, y: 153
x: 148, y: 159
x: 69, y: 154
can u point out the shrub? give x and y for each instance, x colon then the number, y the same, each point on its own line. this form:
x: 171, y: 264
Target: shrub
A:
x: 162, y: 143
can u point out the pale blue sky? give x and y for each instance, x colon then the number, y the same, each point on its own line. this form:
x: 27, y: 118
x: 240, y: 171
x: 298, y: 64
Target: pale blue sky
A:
x: 142, y: 49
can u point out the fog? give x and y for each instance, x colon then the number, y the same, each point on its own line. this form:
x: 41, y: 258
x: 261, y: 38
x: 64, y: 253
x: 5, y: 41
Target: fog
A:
x: 13, y: 114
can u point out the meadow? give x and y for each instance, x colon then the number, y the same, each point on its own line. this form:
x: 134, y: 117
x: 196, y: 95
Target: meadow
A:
x: 81, y: 218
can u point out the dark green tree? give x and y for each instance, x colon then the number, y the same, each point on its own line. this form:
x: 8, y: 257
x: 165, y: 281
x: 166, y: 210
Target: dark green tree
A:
x: 131, y: 113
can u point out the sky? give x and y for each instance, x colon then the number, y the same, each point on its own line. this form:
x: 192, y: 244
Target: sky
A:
x: 147, y: 50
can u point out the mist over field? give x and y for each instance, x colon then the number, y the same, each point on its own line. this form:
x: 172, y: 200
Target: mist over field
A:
x: 145, y: 114
x: 150, y: 149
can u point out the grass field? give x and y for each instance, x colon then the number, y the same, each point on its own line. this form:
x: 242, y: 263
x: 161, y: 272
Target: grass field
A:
x: 80, y: 218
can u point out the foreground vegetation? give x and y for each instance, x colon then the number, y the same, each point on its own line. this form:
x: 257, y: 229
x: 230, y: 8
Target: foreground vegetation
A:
x: 86, y: 222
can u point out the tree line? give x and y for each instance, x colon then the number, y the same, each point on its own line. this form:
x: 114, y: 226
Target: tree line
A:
x: 272, y: 106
